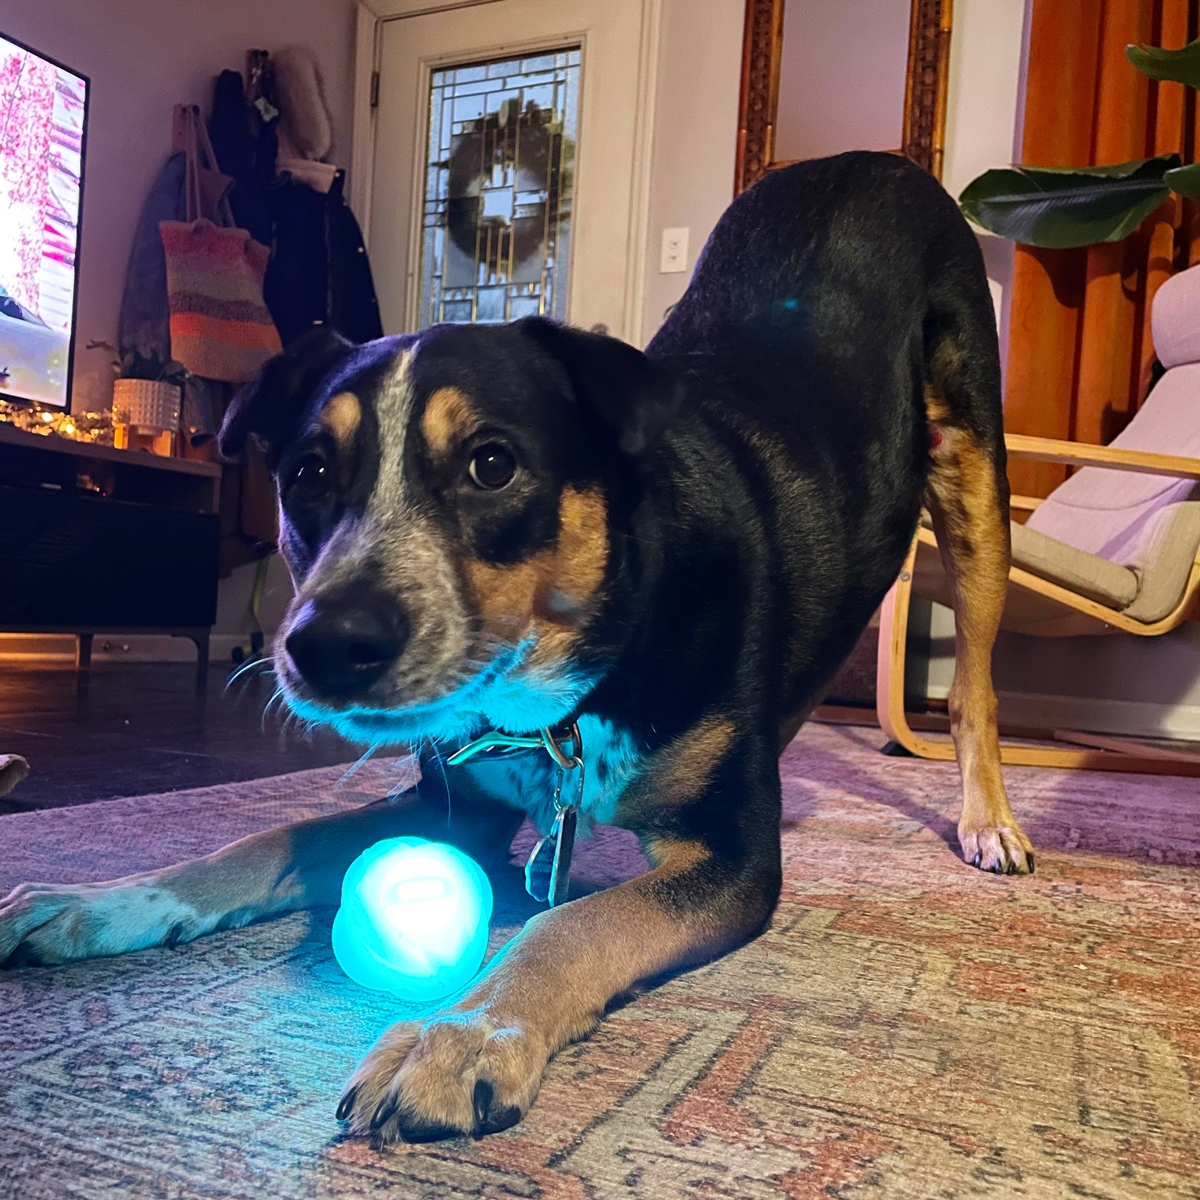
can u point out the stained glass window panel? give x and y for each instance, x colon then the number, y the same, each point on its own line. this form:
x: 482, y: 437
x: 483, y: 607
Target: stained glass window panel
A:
x: 500, y: 158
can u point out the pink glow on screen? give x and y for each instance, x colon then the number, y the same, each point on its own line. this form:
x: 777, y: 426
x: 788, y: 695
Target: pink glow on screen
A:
x: 42, y: 110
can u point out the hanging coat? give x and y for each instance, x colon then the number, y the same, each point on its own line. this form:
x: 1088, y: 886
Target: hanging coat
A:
x: 319, y: 273
x: 144, y: 323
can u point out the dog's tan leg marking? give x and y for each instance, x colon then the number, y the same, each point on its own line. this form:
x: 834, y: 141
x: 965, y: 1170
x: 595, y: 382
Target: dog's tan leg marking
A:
x: 475, y: 1067
x: 688, y: 764
x: 968, y: 500
x: 266, y: 874
x: 678, y: 773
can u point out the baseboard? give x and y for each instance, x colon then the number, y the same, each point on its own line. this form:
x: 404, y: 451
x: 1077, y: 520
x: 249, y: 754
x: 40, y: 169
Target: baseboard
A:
x: 1134, y: 718
x: 58, y: 650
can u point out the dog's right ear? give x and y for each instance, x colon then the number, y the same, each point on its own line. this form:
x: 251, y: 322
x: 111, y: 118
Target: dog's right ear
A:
x: 270, y: 407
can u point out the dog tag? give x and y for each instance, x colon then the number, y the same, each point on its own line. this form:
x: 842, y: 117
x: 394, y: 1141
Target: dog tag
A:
x: 539, y: 868
x: 564, y: 851
x: 548, y: 868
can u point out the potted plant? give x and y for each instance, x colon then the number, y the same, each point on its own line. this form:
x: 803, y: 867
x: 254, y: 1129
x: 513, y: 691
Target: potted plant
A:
x: 147, y: 395
x: 1059, y: 208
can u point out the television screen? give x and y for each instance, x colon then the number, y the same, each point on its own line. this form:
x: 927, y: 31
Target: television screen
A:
x: 43, y: 112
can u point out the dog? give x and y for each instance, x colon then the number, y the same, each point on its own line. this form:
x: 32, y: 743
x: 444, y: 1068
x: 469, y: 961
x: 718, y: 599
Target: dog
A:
x: 517, y: 528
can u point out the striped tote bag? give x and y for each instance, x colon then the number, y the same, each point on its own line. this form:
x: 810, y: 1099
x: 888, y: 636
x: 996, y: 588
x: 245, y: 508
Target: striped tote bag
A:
x: 220, y: 326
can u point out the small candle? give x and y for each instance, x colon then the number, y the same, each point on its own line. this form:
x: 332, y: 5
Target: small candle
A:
x: 414, y: 919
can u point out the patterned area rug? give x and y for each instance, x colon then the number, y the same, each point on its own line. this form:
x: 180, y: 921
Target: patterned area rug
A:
x: 907, y: 1028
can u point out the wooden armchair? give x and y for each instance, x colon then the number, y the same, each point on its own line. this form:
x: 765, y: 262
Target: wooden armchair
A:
x: 1039, y: 606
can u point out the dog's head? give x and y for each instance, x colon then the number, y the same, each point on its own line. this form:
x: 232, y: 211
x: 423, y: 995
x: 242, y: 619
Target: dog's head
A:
x: 450, y: 505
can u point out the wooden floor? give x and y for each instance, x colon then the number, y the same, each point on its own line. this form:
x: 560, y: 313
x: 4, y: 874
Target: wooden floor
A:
x: 139, y: 728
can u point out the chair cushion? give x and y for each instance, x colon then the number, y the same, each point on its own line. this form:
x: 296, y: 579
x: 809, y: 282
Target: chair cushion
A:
x: 1175, y: 319
x: 1078, y: 571
x: 1169, y: 559
x: 1133, y: 520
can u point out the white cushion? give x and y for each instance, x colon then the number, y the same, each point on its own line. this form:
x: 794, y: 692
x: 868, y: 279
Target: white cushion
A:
x: 1078, y: 571
x: 1143, y: 522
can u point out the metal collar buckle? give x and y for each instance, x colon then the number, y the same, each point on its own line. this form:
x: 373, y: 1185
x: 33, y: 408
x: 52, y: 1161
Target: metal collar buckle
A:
x: 505, y: 745
x: 548, y: 868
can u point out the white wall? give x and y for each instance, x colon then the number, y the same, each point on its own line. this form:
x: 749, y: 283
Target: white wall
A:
x: 144, y: 56
x: 695, y: 135
x: 984, y: 115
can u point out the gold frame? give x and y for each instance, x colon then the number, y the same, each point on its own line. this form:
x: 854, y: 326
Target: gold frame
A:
x: 924, y: 91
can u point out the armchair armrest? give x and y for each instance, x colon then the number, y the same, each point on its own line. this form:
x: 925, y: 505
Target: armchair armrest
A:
x: 1078, y: 454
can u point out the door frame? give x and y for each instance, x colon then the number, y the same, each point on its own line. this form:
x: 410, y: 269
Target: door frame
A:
x: 371, y: 17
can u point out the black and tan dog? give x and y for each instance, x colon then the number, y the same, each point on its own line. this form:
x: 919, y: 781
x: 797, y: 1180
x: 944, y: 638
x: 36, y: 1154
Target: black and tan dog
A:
x: 518, y: 526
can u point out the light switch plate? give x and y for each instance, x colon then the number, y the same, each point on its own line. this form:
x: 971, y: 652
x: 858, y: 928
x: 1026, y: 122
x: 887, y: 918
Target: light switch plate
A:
x: 674, y: 251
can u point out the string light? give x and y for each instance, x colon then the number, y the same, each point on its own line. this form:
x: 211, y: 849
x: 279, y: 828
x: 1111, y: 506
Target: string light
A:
x: 95, y: 427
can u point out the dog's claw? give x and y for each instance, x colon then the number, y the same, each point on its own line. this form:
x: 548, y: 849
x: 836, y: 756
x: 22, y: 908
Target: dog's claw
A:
x: 346, y: 1105
x: 387, y: 1106
x: 457, y: 1074
x: 483, y: 1096
x: 996, y: 849
x: 489, y: 1118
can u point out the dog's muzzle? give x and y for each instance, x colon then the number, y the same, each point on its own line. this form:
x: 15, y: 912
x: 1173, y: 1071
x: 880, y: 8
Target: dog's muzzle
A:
x: 341, y: 647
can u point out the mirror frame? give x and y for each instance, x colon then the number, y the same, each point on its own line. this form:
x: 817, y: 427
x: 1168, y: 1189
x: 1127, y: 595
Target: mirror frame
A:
x: 926, y: 83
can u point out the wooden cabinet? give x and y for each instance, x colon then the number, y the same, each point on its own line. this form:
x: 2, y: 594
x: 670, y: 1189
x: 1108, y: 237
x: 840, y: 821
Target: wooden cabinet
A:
x: 101, y: 541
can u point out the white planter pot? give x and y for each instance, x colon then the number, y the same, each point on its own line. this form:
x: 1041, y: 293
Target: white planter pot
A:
x: 146, y: 404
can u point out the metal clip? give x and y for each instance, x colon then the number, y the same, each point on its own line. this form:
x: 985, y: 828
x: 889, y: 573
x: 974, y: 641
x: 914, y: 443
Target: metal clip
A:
x: 548, y: 868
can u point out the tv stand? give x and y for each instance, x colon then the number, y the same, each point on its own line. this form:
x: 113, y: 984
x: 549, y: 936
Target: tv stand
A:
x: 95, y: 540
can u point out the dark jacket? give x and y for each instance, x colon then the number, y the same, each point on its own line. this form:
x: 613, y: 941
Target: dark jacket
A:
x: 143, y: 327
x: 318, y: 272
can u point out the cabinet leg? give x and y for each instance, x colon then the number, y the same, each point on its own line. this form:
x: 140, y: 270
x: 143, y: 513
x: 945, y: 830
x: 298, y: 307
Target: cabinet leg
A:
x: 201, y: 640
x: 83, y: 651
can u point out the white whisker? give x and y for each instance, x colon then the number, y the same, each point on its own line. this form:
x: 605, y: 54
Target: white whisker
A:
x: 355, y: 767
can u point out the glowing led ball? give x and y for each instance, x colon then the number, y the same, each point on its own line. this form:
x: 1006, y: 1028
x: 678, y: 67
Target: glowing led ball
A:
x: 413, y: 920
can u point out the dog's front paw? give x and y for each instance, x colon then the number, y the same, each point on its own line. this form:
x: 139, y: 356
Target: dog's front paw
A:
x: 1001, y: 849
x: 459, y: 1073
x: 44, y: 923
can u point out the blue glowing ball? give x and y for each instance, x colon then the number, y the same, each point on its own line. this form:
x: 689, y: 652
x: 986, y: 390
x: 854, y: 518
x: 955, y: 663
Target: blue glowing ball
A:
x: 413, y: 920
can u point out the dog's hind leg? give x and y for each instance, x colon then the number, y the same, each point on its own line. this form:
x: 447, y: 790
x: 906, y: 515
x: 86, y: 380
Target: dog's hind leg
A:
x: 967, y: 496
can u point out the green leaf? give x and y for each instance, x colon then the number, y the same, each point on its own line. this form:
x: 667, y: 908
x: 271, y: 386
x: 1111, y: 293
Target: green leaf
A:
x: 1138, y: 168
x: 1185, y: 181
x: 1061, y: 208
x: 1180, y: 66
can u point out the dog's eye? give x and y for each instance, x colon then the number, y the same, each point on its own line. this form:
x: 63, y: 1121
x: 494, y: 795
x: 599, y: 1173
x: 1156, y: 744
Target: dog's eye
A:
x: 310, y: 477
x: 492, y: 467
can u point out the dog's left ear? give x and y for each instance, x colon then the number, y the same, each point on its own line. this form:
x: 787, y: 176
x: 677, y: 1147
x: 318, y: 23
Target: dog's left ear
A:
x: 271, y: 405
x: 634, y: 394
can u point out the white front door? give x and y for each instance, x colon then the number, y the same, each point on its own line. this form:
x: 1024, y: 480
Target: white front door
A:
x: 509, y: 163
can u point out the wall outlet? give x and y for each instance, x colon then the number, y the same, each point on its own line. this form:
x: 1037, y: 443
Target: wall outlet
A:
x: 674, y: 251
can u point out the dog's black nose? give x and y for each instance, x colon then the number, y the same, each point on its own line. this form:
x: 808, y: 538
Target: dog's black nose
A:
x: 342, y: 649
